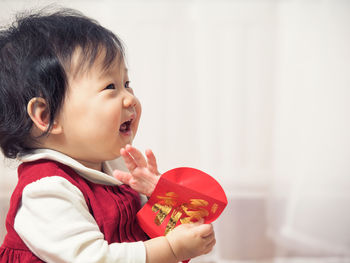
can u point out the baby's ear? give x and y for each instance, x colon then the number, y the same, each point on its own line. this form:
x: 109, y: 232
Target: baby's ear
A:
x: 38, y: 111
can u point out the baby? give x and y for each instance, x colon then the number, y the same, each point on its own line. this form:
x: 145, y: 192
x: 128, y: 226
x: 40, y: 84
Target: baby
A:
x: 66, y: 107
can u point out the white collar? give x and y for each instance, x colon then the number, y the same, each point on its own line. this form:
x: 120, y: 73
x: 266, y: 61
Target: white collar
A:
x: 88, y: 173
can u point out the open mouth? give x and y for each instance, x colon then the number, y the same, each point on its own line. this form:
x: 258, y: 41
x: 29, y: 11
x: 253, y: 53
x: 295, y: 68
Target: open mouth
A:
x: 126, y: 126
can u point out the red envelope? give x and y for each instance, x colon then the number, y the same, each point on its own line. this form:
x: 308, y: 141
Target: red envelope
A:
x: 182, y: 195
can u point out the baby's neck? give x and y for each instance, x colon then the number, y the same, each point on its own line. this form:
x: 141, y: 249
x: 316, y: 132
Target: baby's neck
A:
x: 55, y: 142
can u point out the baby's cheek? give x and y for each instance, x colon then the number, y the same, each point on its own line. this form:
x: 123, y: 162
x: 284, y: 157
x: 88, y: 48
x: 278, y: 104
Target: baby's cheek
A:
x: 138, y: 107
x: 138, y: 110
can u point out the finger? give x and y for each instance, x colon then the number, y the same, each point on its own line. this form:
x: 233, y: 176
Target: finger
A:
x: 205, y: 230
x: 212, y: 242
x: 122, y: 176
x: 208, y: 239
x: 129, y: 161
x: 137, y: 155
x: 152, y: 162
x: 210, y: 247
x: 198, y: 223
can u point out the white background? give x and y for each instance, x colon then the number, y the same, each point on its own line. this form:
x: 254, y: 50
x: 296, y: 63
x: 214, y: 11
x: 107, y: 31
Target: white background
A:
x: 254, y: 93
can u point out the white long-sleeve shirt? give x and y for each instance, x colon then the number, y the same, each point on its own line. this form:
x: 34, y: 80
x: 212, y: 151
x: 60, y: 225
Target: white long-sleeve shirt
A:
x: 76, y: 237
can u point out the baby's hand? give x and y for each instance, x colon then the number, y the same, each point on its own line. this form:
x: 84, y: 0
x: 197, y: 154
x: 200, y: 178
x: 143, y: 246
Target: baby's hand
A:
x: 143, y: 175
x: 191, y: 240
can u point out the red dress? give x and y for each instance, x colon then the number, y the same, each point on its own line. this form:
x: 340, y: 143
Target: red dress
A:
x: 113, y: 207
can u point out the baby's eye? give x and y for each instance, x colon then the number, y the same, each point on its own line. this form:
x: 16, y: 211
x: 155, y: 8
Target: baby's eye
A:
x: 110, y: 86
x: 126, y: 85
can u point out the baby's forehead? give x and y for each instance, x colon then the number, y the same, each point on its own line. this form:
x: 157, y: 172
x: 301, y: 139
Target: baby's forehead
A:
x: 82, y: 62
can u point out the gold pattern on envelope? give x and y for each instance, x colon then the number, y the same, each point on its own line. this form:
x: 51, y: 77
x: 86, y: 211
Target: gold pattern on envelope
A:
x: 185, y: 212
x: 164, y: 210
x: 214, y: 208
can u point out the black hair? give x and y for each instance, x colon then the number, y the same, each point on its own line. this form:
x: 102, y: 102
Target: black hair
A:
x: 35, y: 53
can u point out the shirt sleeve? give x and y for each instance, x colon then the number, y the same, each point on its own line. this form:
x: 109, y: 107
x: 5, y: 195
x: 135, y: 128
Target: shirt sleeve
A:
x: 55, y: 223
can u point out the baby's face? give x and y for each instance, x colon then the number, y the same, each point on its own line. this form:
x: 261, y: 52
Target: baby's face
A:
x: 100, y: 114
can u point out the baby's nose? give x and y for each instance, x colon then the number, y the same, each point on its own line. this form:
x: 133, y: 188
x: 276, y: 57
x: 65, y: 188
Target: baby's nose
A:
x: 129, y: 100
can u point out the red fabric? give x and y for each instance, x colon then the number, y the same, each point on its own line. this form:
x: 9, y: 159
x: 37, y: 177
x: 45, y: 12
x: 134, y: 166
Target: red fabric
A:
x: 113, y: 207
